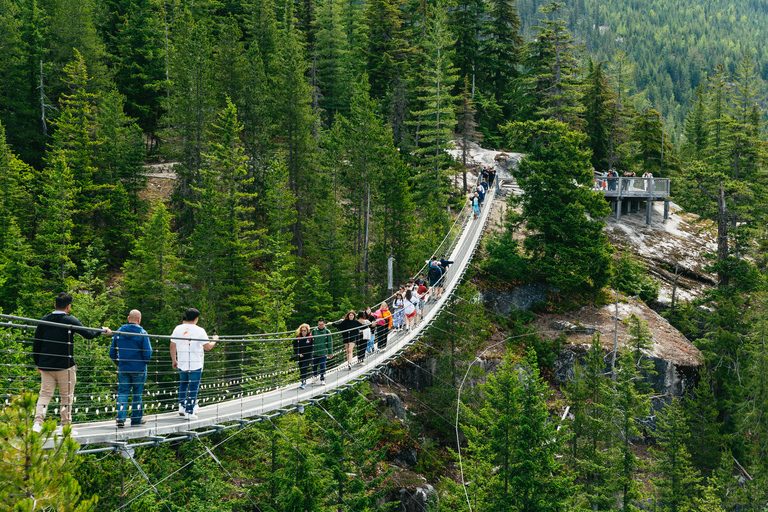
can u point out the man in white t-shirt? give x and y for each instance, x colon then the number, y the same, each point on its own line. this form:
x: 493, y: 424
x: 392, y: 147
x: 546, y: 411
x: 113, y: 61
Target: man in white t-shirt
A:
x: 188, y: 343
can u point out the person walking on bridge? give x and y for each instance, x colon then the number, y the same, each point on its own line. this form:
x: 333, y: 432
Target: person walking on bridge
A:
x: 350, y: 329
x: 188, y: 342
x: 302, y: 351
x: 322, y: 349
x: 383, y: 325
x: 53, y: 351
x: 131, y: 352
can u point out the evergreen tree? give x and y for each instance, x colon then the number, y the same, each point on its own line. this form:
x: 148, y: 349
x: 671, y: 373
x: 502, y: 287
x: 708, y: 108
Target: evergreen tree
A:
x: 640, y: 344
x: 521, y: 441
x: 55, y: 207
x: 33, y: 478
x: 629, y: 406
x: 140, y: 70
x: 552, y: 70
x: 568, y: 248
x: 676, y: 481
x: 590, y: 397
x: 334, y: 60
x: 223, y: 244
x: 22, y: 283
x: 388, y: 49
x: 500, y: 47
x: 75, y: 140
x: 296, y: 121
x: 599, y: 111
x: 435, y: 119
x: 153, y: 273
x: 467, y: 21
x: 466, y: 127
x: 190, y: 110
x: 705, y: 443
x: 647, y: 133
x: 696, y: 133
x: 16, y: 198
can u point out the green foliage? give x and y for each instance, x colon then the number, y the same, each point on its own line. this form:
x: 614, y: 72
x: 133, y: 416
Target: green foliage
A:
x: 676, y: 481
x: 513, y: 433
x: 631, y: 277
x: 566, y: 246
x: 33, y: 478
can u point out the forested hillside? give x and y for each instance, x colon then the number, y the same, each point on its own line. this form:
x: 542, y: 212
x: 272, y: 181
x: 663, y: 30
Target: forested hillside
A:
x: 308, y: 145
x: 672, y: 46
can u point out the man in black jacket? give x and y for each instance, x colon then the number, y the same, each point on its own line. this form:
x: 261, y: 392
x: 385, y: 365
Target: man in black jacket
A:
x: 53, y: 352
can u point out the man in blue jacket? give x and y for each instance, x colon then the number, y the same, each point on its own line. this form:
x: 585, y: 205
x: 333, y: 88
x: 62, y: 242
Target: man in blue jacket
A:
x: 131, y: 352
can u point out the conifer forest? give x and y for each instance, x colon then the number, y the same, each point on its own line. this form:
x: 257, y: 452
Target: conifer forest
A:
x: 263, y: 161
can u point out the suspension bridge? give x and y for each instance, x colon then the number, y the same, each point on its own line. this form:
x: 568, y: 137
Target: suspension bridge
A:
x: 246, y: 379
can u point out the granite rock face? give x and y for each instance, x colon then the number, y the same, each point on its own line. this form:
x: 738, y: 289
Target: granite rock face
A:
x: 416, y: 499
x: 518, y: 299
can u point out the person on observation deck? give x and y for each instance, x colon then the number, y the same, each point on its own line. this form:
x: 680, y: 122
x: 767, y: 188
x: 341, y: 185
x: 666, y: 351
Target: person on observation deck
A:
x: 53, y: 351
x: 131, y: 354
x: 188, y: 343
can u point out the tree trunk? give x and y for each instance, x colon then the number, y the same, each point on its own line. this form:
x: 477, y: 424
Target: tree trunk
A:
x: 722, y: 236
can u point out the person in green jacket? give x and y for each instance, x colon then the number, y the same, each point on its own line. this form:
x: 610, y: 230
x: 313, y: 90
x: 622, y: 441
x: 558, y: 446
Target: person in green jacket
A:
x: 323, y: 349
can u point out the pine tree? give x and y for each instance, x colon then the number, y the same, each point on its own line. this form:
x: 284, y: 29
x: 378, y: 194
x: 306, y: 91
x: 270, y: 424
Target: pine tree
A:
x: 387, y: 46
x: 696, y: 132
x: 705, y: 442
x: 141, y: 57
x: 190, y: 109
x: 552, y: 70
x: 599, y: 112
x: 557, y: 172
x: 223, y: 244
x: 54, y: 242
x: 334, y: 60
x: 467, y: 22
x: 32, y: 478
x: 647, y: 132
x: 640, y: 344
x: 153, y: 273
x: 629, y: 406
x: 590, y: 397
x: 500, y: 52
x: 296, y: 121
x: 16, y: 198
x: 435, y: 119
x: 466, y: 127
x: 75, y: 140
x: 22, y: 281
x: 676, y: 483
x: 521, y: 441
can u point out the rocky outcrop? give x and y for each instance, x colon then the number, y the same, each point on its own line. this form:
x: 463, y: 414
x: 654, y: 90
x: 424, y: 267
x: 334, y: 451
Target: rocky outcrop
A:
x: 416, y: 499
x: 518, y: 299
x: 676, y: 360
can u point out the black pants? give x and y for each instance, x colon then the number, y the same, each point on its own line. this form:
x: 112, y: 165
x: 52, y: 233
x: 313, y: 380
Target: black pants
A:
x: 361, y: 344
x: 382, y: 331
x: 304, y: 365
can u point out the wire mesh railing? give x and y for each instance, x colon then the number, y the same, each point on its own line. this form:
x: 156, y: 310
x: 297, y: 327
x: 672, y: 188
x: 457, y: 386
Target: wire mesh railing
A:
x: 238, y: 367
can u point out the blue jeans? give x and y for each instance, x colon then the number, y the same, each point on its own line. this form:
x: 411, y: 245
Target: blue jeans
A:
x: 130, y: 383
x: 319, y: 363
x: 188, y: 386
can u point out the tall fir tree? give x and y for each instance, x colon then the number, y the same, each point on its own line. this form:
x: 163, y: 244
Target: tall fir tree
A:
x: 599, y: 111
x: 153, y: 273
x: 677, y: 481
x: 296, y: 122
x: 555, y: 172
x: 223, y: 244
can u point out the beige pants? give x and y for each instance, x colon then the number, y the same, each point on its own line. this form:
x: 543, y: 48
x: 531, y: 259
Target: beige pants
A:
x: 66, y: 380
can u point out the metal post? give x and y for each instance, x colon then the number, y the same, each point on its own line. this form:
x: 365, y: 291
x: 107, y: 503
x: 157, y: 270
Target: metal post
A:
x: 666, y: 209
x: 618, y: 209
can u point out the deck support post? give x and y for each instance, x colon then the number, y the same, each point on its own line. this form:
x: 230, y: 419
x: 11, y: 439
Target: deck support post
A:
x: 618, y: 209
x: 666, y: 209
x: 648, y: 210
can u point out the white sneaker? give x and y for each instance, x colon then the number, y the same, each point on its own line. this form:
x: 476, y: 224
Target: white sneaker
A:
x: 37, y: 427
x: 195, y: 409
x: 182, y: 411
x: 191, y: 416
x: 322, y: 383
